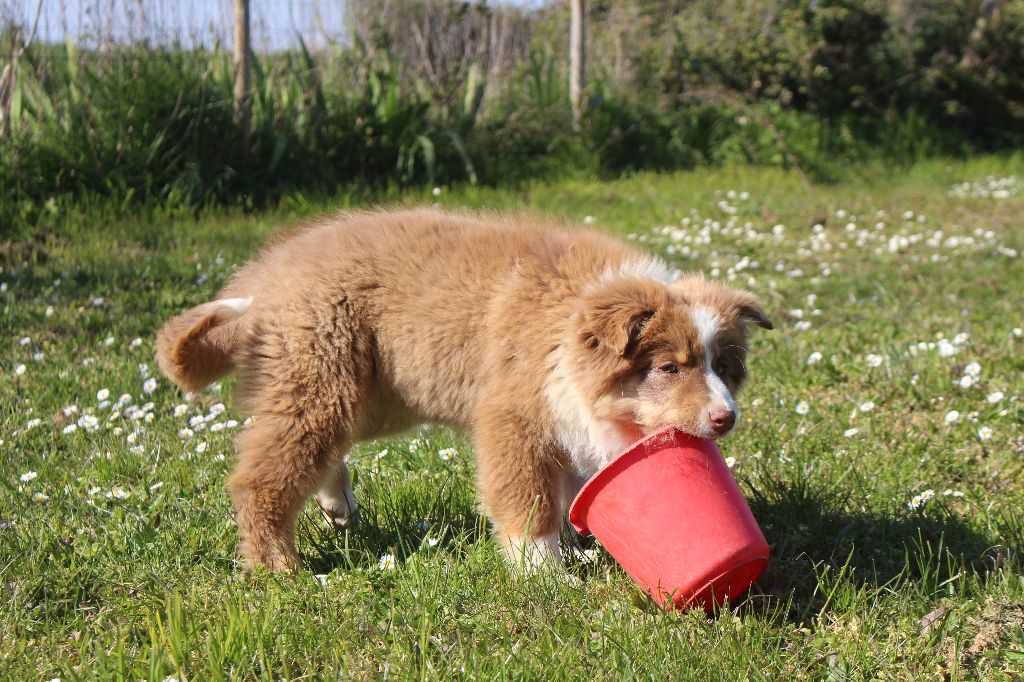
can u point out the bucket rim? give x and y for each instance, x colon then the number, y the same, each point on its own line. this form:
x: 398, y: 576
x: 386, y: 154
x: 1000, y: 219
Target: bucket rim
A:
x: 656, y: 440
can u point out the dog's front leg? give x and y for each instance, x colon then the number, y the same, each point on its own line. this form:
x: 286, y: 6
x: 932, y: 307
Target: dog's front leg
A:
x: 521, y: 482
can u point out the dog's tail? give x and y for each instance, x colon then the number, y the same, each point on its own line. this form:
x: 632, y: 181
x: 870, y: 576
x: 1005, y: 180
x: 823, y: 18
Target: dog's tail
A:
x: 196, y: 347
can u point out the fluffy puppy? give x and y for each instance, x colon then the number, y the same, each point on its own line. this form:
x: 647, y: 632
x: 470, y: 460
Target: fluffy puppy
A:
x: 555, y: 348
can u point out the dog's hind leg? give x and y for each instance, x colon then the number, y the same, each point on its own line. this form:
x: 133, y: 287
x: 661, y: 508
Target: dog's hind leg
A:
x: 335, y: 499
x: 304, y: 382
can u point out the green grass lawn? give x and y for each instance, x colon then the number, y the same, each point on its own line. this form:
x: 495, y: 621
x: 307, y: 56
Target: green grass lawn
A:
x: 880, y: 446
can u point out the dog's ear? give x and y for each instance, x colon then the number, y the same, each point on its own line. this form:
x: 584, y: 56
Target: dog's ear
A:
x: 732, y: 304
x: 615, y: 318
x: 750, y: 310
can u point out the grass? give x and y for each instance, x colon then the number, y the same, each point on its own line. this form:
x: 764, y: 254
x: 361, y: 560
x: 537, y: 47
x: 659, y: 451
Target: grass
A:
x: 128, y: 570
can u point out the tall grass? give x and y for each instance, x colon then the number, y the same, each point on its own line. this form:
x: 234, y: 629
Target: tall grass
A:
x: 807, y: 85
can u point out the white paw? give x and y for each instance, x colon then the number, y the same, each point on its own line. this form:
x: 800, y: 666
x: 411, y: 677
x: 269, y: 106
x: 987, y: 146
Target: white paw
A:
x: 339, y: 510
x: 534, y: 553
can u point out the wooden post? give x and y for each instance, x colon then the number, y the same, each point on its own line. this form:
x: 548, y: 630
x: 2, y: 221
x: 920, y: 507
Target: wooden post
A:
x: 243, y: 56
x: 577, y: 56
x: 9, y: 75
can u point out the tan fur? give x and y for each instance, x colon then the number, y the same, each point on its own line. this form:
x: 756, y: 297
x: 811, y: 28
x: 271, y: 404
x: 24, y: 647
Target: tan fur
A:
x: 531, y: 336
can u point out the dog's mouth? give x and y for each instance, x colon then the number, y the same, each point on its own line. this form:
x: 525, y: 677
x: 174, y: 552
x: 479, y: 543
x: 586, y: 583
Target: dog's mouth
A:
x: 699, y: 432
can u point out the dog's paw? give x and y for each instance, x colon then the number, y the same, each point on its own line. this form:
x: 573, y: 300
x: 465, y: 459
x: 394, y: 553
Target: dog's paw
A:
x: 340, y: 512
x: 530, y: 556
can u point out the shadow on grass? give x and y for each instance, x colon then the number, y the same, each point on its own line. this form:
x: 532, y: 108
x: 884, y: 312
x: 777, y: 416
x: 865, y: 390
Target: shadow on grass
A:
x: 397, y: 517
x: 816, y: 544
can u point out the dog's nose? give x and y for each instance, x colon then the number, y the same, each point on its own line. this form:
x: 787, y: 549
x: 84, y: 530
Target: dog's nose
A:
x: 721, y: 420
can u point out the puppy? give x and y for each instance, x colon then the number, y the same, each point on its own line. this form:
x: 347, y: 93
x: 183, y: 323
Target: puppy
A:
x: 555, y: 348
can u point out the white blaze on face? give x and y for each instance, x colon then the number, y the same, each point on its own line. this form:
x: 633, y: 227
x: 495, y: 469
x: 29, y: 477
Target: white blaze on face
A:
x: 708, y: 325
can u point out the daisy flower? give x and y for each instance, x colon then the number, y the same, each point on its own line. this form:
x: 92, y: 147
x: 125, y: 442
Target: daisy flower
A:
x: 446, y: 454
x: 149, y: 386
x: 802, y: 407
x: 851, y: 432
x: 102, y: 394
x: 952, y: 416
x: 867, y: 406
x: 814, y: 358
x: 873, y: 360
x: 730, y: 462
x: 985, y: 433
x: 994, y: 397
x: 28, y: 476
x: 387, y: 562
x: 40, y: 497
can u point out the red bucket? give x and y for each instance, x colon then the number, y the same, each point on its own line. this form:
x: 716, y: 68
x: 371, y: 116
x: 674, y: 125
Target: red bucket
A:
x: 669, y: 511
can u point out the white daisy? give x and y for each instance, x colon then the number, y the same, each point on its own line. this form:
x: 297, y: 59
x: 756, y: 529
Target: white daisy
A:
x: 387, y: 562
x: 28, y: 476
x: 802, y: 407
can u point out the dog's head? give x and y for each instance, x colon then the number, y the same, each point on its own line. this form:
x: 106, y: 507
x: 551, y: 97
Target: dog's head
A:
x: 651, y: 354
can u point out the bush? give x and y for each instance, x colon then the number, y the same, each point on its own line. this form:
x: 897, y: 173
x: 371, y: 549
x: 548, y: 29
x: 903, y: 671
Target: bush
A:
x: 808, y: 83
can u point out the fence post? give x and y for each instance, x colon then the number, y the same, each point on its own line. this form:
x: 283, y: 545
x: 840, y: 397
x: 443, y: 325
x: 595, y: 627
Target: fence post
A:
x: 577, y: 56
x: 243, y: 56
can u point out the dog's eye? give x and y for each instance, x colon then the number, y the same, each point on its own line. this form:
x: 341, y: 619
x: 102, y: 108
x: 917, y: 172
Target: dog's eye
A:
x: 669, y: 368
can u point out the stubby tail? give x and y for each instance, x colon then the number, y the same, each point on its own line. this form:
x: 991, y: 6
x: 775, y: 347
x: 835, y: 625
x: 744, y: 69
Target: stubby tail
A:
x: 194, y: 348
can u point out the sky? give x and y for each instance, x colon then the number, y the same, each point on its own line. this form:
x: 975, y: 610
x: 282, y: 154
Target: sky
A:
x: 275, y: 24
